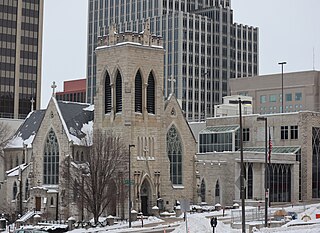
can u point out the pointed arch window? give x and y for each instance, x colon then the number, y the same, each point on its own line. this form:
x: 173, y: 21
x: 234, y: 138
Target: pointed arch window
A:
x: 14, y: 191
x: 51, y: 201
x: 27, y: 190
x: 118, y: 93
x: 174, y: 151
x: 107, y: 94
x: 151, y: 94
x: 203, y: 191
x: 138, y: 93
x: 217, y: 189
x: 51, y: 159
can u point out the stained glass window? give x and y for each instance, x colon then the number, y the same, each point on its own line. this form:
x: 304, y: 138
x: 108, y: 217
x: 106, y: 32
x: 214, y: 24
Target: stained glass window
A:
x: 174, y: 151
x: 51, y: 160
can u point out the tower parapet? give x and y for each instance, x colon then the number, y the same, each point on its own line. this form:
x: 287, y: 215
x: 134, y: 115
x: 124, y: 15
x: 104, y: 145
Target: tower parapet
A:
x: 143, y: 38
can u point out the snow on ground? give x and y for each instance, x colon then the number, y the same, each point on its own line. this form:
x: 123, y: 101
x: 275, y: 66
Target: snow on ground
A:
x: 200, y: 223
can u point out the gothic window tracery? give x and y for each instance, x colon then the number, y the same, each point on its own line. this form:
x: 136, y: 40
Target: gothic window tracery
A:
x: 51, y: 159
x: 174, y: 151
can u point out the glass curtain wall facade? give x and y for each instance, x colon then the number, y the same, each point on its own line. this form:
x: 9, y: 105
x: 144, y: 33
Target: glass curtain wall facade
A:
x: 21, y: 24
x: 204, y: 48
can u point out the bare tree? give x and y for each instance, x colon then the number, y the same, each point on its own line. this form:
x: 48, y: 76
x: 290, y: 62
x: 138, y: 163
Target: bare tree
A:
x: 93, y: 179
x: 4, y: 134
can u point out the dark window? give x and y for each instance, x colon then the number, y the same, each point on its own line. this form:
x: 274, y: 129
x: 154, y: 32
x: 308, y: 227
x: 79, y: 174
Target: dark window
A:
x: 138, y: 93
x: 217, y: 189
x: 284, y: 132
x: 14, y: 191
x: 246, y: 134
x: 203, y: 191
x: 294, y: 132
x: 118, y: 93
x: 279, y: 182
x: 151, y: 94
x: 107, y: 95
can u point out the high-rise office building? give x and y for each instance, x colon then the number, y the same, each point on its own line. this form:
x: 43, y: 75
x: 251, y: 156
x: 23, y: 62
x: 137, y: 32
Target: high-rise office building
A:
x: 204, y: 48
x: 21, y: 23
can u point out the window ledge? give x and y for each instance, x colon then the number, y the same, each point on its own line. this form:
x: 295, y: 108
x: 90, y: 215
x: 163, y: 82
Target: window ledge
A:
x: 178, y: 186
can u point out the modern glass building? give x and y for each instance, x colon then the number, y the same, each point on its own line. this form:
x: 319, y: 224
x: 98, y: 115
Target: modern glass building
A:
x: 204, y: 48
x: 21, y: 23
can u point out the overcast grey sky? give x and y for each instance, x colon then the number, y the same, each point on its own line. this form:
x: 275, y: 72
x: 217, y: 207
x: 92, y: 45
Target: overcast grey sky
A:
x: 289, y: 31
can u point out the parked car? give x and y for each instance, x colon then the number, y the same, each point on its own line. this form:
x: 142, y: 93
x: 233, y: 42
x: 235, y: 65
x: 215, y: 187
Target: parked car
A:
x: 29, y: 230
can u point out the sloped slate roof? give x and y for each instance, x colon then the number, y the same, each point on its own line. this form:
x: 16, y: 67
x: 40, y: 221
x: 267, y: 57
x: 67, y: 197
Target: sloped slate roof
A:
x: 76, y: 116
x: 27, y: 131
x: 77, y: 119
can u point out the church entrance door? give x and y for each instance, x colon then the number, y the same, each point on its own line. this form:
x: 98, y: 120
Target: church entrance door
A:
x: 144, y: 205
x: 38, y: 203
x: 145, y: 195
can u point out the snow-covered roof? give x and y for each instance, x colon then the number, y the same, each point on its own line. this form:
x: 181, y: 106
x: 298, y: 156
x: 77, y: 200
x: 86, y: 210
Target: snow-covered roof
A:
x: 27, y: 131
x: 77, y: 119
x: 15, y: 171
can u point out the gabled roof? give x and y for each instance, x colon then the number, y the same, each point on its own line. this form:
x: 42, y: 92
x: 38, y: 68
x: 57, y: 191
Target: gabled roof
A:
x: 77, y: 119
x: 27, y: 131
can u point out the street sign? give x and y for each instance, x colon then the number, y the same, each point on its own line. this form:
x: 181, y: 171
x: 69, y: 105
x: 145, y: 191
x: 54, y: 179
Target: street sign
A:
x: 238, y: 182
x: 185, y: 205
x: 126, y: 182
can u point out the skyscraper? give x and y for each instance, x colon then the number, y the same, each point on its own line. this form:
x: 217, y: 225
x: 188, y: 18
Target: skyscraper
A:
x: 204, y: 48
x: 21, y: 23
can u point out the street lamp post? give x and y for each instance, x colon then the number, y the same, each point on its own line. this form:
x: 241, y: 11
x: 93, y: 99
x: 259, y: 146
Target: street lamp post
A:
x: 265, y: 170
x: 282, y: 63
x: 129, y: 183
x: 243, y: 216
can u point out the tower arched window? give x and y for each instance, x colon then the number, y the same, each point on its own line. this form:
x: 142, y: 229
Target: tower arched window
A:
x: 151, y: 94
x: 14, y: 191
x: 107, y: 94
x: 203, y: 191
x: 118, y: 93
x: 51, y: 159
x: 138, y: 93
x: 174, y: 151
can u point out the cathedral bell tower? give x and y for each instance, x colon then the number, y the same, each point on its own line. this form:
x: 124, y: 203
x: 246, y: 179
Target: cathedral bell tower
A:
x: 130, y: 103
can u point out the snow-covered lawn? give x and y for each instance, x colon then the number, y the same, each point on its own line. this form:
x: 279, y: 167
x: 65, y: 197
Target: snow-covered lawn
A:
x: 200, y: 223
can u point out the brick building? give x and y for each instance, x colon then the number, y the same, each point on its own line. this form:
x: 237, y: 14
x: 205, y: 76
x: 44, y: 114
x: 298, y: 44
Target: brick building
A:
x: 73, y: 90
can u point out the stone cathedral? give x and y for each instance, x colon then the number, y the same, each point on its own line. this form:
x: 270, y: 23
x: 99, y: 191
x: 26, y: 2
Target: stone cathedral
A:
x: 129, y: 102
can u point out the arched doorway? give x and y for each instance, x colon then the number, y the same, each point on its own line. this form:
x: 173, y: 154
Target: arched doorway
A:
x: 145, y: 196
